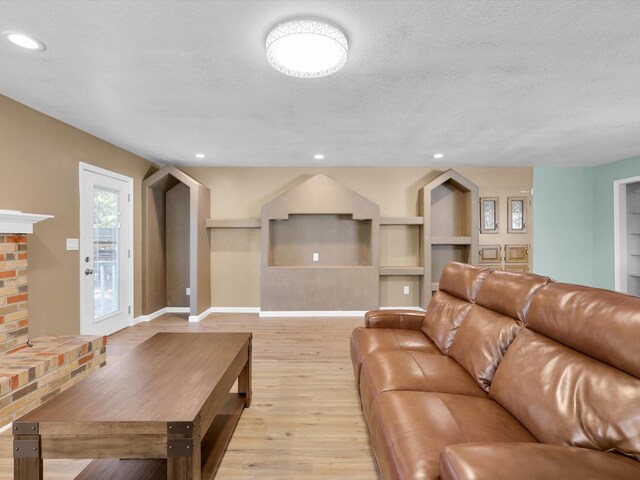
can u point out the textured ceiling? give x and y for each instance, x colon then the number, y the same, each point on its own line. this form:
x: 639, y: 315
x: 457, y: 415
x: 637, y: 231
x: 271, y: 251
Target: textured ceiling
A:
x: 486, y: 82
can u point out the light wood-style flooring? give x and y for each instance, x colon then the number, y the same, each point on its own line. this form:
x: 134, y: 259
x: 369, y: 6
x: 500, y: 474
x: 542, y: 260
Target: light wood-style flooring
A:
x: 305, y: 420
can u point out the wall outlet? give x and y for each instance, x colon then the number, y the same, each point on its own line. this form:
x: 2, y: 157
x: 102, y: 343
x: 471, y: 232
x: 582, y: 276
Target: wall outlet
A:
x: 316, y: 257
x: 406, y: 290
x: 188, y: 291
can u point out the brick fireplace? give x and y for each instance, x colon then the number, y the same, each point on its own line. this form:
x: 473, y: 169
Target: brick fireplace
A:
x: 31, y: 373
x: 14, y: 314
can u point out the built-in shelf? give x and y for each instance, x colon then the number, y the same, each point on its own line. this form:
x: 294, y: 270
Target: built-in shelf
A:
x: 401, y: 220
x: 634, y: 275
x: 233, y: 223
x: 451, y: 240
x: 635, y: 254
x: 388, y: 271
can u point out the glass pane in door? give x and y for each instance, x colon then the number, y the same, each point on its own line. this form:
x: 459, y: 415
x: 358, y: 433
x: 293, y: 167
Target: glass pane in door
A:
x: 105, y: 252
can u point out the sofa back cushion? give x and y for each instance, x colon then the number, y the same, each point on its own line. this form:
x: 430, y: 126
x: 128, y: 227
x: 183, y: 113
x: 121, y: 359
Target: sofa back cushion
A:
x: 481, y: 341
x: 570, y: 377
x: 492, y: 323
x: 510, y: 293
x: 463, y: 281
x: 459, y: 285
x: 600, y: 323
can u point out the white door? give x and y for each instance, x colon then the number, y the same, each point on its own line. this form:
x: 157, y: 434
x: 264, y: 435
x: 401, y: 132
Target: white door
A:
x: 106, y: 268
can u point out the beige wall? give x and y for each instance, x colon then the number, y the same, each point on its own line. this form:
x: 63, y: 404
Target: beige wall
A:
x: 241, y: 192
x: 39, y: 159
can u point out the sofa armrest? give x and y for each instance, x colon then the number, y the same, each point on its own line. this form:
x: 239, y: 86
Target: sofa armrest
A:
x: 402, y: 319
x: 532, y: 461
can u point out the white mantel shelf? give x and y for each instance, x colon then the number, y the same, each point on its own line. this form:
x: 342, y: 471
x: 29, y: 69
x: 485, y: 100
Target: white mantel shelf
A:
x: 13, y: 221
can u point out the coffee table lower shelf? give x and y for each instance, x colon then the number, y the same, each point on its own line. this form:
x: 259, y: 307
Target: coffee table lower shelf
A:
x: 214, y: 445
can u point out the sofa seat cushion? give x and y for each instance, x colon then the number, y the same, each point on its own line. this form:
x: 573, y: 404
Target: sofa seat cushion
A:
x: 365, y: 341
x: 531, y: 461
x: 409, y: 430
x: 414, y: 371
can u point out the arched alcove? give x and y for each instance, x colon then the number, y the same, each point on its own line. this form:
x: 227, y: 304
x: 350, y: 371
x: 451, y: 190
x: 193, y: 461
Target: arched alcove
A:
x: 450, y: 230
x: 175, y: 244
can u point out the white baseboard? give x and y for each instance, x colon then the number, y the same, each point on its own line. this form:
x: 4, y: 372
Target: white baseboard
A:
x: 279, y: 313
x: 148, y: 318
x: 158, y: 313
x: 313, y: 313
x: 178, y: 309
x: 234, y: 309
x: 198, y: 318
x: 418, y: 309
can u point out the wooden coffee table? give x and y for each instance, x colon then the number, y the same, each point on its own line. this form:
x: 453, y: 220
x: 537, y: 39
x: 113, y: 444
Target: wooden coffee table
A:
x: 164, y: 410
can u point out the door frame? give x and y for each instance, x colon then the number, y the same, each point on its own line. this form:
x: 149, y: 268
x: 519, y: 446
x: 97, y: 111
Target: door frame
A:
x: 620, y: 231
x: 86, y: 167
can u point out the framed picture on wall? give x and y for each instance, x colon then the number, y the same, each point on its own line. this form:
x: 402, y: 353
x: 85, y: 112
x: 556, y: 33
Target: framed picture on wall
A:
x: 490, y: 254
x: 517, y: 214
x: 516, y: 253
x: 489, y: 215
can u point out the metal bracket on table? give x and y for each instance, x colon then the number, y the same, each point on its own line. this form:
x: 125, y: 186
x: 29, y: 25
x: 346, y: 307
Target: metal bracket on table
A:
x: 25, y: 428
x: 180, y: 428
x: 26, y: 449
x: 179, y: 447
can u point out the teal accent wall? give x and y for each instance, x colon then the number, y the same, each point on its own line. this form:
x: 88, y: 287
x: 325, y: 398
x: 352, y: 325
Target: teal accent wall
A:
x: 563, y: 223
x: 573, y: 221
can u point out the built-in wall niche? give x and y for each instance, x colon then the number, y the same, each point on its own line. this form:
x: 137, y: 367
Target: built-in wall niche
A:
x: 450, y: 208
x: 175, y: 243
x: 320, y: 216
x: 319, y: 241
x: 400, y: 245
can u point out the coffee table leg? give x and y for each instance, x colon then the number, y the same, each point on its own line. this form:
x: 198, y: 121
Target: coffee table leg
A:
x: 27, y: 458
x: 27, y: 469
x: 186, y: 467
x: 244, y: 380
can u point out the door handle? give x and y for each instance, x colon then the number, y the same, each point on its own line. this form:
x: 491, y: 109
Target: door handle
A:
x: 88, y: 271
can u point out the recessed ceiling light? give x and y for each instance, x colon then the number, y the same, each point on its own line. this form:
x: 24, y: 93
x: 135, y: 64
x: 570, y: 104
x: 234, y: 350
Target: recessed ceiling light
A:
x: 318, y: 156
x: 306, y: 48
x: 438, y: 155
x: 24, y: 41
x: 200, y: 155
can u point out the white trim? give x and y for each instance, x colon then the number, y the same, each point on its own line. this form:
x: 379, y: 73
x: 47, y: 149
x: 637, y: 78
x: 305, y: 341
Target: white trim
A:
x: 6, y: 427
x: 620, y: 232
x: 198, y: 318
x: 14, y: 221
x: 151, y: 316
x: 234, y: 310
x: 159, y: 313
x: 314, y: 313
x: 85, y: 167
x: 178, y: 309
x: 415, y: 308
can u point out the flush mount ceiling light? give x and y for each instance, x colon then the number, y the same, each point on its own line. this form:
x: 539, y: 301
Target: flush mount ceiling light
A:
x: 200, y: 155
x: 318, y: 156
x: 438, y: 155
x: 306, y: 48
x: 24, y: 41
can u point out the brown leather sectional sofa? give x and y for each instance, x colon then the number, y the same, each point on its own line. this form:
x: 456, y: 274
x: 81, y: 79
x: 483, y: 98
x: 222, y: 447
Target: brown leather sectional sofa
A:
x: 506, y: 376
